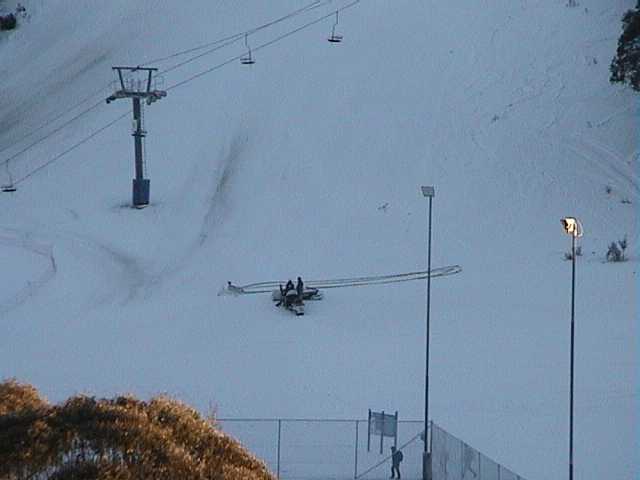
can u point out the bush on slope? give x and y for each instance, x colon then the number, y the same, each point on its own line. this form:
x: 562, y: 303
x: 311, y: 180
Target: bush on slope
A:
x: 121, y: 438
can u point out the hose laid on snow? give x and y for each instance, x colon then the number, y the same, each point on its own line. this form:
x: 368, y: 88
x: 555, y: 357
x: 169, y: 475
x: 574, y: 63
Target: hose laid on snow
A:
x: 268, y: 287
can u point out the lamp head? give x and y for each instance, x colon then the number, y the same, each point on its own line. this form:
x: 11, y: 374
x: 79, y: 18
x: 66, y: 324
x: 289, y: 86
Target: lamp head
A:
x: 572, y: 226
x: 428, y: 191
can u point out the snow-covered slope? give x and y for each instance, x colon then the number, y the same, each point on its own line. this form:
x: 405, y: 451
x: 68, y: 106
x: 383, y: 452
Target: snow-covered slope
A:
x: 281, y: 169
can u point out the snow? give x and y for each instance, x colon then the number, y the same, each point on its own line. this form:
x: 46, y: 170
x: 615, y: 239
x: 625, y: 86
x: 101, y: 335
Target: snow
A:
x: 281, y: 169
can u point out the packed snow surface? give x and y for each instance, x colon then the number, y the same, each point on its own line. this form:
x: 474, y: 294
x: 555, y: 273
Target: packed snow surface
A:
x: 309, y: 163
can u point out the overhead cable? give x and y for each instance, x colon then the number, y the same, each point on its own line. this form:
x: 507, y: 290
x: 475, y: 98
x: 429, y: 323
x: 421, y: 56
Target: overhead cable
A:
x: 223, y: 42
x: 55, y: 118
x: 232, y: 38
x: 53, y: 132
x: 174, y: 86
x: 73, y: 147
x: 261, y: 46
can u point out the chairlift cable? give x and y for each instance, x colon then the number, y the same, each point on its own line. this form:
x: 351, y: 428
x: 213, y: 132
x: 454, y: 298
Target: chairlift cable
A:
x: 53, y: 119
x: 229, y: 40
x: 260, y: 47
x: 307, y: 25
x: 233, y: 38
x: 172, y: 87
x: 193, y: 59
x: 73, y: 147
x: 50, y: 134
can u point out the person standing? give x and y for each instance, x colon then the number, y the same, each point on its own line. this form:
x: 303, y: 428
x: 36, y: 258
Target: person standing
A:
x: 396, y: 458
x: 288, y: 286
x: 299, y: 288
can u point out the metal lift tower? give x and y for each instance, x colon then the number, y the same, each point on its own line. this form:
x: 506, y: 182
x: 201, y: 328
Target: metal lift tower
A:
x: 137, y: 89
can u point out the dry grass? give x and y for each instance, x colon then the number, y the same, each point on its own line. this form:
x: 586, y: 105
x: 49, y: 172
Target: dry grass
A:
x: 114, y: 439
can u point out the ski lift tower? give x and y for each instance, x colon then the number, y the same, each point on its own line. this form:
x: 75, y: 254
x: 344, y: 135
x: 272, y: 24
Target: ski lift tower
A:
x: 137, y: 89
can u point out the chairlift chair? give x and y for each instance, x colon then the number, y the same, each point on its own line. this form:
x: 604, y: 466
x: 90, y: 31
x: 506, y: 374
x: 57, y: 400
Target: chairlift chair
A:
x: 333, y: 38
x: 8, y: 187
x: 248, y: 58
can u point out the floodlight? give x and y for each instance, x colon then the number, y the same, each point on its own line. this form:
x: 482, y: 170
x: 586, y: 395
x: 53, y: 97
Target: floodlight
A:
x: 428, y: 191
x: 572, y: 226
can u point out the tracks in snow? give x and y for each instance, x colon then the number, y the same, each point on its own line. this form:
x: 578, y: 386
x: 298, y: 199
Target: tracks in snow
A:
x: 107, y: 272
x: 607, y: 162
x: 25, y: 241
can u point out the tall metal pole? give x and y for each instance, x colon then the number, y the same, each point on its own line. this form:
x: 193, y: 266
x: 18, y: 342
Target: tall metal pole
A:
x: 355, y: 472
x: 137, y: 91
x: 140, y: 184
x: 573, y: 297
x: 279, y: 434
x: 138, y: 134
x: 426, y: 383
x: 426, y: 379
x: 427, y: 191
x: 573, y: 227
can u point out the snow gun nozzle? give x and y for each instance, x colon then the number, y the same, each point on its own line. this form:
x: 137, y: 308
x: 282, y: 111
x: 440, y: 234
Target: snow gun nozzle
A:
x: 230, y: 289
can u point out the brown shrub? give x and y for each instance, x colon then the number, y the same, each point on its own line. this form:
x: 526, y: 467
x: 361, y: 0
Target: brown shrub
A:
x: 16, y: 396
x: 114, y: 439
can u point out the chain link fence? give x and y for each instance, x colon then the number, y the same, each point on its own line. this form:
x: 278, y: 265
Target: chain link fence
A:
x: 309, y: 449
x: 453, y: 459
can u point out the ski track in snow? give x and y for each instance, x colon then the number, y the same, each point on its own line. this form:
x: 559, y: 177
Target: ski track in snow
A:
x: 133, y: 275
x: 218, y: 198
x: 141, y: 280
x: 603, y: 159
x: 15, y: 238
x: 121, y: 275
x: 609, y: 118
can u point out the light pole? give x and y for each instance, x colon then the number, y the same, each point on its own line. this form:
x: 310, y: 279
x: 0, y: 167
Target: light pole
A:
x: 429, y: 192
x: 573, y: 227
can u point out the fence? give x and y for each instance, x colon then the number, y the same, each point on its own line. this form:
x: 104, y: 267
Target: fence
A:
x: 452, y: 459
x: 306, y: 449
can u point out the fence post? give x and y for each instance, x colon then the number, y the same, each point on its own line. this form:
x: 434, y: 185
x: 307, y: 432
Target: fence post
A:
x: 395, y: 440
x: 355, y: 471
x: 279, y: 431
x: 382, y: 433
x: 499, y: 472
x: 369, y: 432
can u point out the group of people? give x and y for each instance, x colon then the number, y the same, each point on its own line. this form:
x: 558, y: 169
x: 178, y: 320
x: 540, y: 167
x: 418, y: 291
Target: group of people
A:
x: 291, y: 292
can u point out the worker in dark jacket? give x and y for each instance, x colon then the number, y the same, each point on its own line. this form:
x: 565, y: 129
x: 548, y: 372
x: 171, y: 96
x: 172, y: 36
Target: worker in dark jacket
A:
x: 281, y: 301
x: 396, y: 458
x: 288, y: 286
x: 289, y: 293
x: 299, y: 288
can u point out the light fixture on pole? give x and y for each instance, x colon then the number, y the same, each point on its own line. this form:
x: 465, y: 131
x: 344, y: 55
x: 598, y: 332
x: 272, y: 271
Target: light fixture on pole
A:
x: 573, y: 227
x: 428, y: 192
